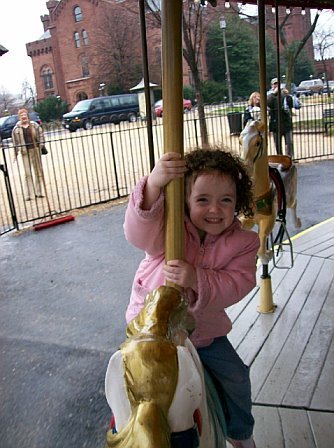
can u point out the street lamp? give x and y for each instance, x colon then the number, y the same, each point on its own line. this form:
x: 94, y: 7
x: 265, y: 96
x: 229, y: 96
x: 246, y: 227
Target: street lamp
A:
x: 101, y: 88
x: 222, y: 24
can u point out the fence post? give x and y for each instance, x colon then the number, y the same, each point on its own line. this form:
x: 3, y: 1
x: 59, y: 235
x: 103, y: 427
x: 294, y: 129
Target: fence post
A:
x: 3, y: 168
x: 114, y: 163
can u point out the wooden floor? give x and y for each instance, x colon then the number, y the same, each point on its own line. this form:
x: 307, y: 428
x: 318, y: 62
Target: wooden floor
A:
x: 291, y: 351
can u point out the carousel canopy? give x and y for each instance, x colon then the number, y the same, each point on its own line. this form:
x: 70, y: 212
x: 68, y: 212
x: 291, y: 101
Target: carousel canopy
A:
x: 315, y: 4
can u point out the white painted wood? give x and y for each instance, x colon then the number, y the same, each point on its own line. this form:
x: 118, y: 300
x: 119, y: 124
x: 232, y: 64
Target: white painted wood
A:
x: 322, y: 425
x: 279, y: 356
x: 259, y: 332
x: 304, y: 381
x: 291, y: 351
x: 323, y: 397
x: 296, y: 429
x: 268, y: 431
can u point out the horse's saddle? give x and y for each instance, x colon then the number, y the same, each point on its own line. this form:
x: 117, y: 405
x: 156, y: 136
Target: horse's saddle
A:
x: 284, y: 161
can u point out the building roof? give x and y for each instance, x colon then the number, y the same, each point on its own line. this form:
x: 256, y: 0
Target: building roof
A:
x: 45, y: 35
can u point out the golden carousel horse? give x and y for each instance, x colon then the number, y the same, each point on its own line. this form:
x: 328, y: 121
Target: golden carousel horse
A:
x: 155, y: 384
x: 254, y: 153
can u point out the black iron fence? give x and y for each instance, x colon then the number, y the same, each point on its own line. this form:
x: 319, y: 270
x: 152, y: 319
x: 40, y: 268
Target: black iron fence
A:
x: 86, y: 168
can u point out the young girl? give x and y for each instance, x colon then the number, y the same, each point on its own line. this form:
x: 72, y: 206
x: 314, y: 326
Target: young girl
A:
x: 219, y: 266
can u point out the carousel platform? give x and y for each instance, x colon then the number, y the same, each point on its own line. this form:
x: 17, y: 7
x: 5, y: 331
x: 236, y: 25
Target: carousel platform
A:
x: 291, y: 351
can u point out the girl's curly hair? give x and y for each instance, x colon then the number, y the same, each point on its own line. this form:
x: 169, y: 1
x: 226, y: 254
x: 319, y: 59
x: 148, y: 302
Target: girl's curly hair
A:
x: 202, y: 161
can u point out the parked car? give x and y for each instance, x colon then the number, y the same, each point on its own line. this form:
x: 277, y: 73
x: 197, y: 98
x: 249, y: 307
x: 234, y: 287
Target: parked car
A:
x: 7, y: 123
x: 310, y: 86
x: 330, y: 87
x: 104, y: 109
x: 158, y: 106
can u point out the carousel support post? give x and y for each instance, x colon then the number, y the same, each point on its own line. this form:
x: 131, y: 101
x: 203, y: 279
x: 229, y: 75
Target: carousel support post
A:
x: 172, y: 93
x: 266, y: 303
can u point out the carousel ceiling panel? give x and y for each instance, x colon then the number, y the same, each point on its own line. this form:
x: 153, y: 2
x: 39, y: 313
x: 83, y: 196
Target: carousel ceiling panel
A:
x: 314, y: 4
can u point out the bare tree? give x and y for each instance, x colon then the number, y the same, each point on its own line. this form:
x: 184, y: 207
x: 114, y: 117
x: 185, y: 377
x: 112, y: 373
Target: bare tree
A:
x: 7, y: 102
x: 196, y: 19
x: 28, y: 93
x: 323, y: 44
x: 292, y: 50
x: 194, y: 30
x: 117, y: 50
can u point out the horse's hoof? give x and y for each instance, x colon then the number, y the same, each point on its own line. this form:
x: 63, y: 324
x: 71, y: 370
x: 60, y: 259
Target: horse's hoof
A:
x: 266, y: 257
x: 298, y: 224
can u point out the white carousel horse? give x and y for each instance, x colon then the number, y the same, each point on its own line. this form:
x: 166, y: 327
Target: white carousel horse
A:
x: 156, y: 389
x: 257, y: 161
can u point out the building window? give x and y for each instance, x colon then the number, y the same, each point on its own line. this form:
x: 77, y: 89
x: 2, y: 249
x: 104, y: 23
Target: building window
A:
x: 47, y: 78
x: 77, y: 40
x: 77, y: 14
x: 81, y: 96
x: 85, y: 37
x: 84, y: 66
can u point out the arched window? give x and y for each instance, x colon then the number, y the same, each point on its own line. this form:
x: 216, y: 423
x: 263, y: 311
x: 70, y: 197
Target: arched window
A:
x: 77, y: 40
x: 77, y: 14
x: 84, y: 66
x: 85, y: 37
x: 47, y: 78
x: 81, y: 96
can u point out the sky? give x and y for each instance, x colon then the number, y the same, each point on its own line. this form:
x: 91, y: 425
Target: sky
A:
x: 19, y: 24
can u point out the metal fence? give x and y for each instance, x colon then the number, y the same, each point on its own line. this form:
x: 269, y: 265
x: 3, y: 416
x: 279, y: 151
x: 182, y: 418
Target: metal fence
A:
x: 86, y: 168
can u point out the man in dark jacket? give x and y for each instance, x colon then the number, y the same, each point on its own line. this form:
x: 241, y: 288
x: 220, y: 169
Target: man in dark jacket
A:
x: 285, y: 111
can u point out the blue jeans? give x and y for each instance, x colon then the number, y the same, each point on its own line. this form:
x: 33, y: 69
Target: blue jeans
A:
x: 231, y: 378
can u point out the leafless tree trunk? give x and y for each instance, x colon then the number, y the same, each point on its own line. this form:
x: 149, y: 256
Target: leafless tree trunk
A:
x: 324, y: 41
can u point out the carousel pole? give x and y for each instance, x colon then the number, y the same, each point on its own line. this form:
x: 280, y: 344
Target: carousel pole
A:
x: 146, y: 82
x: 172, y: 94
x: 266, y: 304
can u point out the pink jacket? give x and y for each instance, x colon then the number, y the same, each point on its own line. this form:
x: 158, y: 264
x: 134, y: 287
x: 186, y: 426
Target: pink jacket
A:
x: 225, y: 266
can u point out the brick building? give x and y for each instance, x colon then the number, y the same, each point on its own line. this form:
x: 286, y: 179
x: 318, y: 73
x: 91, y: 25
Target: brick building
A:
x: 295, y: 27
x: 68, y: 57
x: 71, y: 59
x: 325, y: 67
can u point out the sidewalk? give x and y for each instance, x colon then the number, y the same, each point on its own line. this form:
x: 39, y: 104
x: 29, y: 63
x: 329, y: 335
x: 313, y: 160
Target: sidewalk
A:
x: 64, y: 291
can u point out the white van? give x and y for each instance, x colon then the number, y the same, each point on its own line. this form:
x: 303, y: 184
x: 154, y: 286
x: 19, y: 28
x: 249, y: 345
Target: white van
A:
x: 313, y: 85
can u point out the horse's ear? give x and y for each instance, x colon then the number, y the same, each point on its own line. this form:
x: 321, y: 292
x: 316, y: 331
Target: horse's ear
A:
x: 259, y: 126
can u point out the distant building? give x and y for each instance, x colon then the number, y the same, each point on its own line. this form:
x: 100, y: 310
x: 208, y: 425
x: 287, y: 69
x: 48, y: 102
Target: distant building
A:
x: 296, y: 26
x: 69, y: 59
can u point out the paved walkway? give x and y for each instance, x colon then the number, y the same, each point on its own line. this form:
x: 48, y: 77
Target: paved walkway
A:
x: 63, y: 294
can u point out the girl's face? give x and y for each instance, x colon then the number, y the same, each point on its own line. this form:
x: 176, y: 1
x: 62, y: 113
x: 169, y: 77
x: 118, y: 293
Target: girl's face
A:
x: 211, y: 202
x: 256, y: 100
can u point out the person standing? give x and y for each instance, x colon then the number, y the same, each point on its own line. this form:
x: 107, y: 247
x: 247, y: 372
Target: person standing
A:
x: 284, y: 112
x: 252, y: 111
x: 28, y: 139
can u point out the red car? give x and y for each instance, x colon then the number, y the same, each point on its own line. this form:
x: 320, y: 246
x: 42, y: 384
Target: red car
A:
x: 159, y: 107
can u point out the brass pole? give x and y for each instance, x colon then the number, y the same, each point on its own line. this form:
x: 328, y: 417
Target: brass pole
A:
x: 172, y: 94
x: 266, y: 304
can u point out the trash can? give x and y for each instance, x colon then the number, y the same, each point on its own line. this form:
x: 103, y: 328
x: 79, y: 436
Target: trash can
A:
x: 235, y: 122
